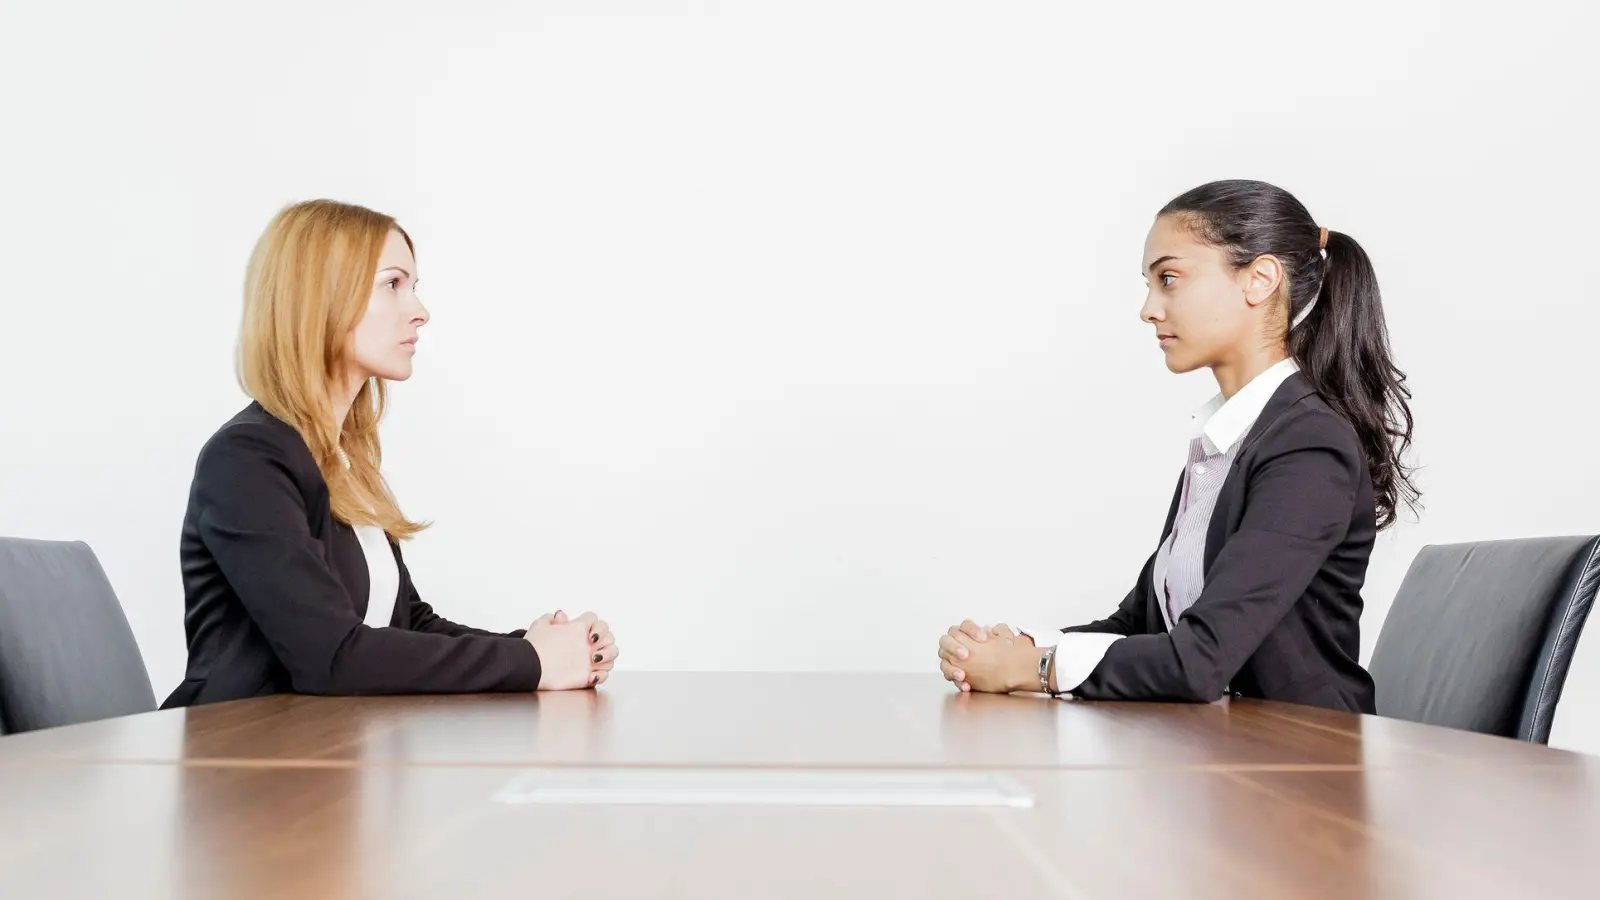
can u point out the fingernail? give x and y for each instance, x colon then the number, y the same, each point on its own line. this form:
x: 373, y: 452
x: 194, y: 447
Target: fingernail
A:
x: 961, y: 653
x: 594, y: 679
x: 594, y: 638
x: 597, y: 657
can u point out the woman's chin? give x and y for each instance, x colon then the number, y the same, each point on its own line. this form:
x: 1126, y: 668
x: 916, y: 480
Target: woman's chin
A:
x: 1177, y: 364
x: 396, y: 372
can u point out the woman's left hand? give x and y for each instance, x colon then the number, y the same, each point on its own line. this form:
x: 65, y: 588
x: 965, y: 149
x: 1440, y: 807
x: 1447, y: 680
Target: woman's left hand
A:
x: 603, y: 649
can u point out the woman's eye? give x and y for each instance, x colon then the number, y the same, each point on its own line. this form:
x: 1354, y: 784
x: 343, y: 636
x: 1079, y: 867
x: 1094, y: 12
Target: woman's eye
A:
x: 1166, y: 280
x: 393, y: 284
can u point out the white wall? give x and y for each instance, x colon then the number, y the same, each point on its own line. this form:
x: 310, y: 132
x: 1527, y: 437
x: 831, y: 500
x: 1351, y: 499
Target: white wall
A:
x: 783, y: 334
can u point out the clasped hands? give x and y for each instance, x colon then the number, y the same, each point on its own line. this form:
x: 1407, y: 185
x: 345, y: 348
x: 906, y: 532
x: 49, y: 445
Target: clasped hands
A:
x: 573, y: 653
x: 993, y: 660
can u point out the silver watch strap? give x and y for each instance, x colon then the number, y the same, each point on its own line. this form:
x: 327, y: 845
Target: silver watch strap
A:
x: 1046, y: 662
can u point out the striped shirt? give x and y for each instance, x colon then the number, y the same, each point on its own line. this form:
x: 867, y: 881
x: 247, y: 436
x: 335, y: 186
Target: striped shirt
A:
x: 1180, y: 572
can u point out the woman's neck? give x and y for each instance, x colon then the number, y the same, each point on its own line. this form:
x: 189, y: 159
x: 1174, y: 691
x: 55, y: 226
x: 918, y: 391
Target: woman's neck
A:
x: 344, y: 399
x: 1234, y: 374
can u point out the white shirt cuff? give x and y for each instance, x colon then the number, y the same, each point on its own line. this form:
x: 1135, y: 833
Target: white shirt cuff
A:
x: 1077, y: 655
x: 1041, y: 637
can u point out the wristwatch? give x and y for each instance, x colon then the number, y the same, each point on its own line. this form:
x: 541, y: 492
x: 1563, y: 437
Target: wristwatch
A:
x: 1046, y: 660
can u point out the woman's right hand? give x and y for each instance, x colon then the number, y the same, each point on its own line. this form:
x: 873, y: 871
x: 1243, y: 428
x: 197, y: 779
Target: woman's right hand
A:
x: 566, y: 652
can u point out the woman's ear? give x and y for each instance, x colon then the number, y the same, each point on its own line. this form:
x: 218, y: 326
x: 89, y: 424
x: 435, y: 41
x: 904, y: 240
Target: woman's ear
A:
x: 1262, y: 279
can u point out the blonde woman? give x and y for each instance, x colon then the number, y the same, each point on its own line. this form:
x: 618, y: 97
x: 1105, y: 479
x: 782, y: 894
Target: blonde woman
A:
x: 292, y: 572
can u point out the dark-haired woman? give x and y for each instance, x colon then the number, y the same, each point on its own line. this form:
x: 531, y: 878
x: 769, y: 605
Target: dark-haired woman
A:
x: 1255, y: 587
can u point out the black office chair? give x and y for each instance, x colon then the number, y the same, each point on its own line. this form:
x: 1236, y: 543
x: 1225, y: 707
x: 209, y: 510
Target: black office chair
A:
x: 67, y: 654
x: 1481, y: 636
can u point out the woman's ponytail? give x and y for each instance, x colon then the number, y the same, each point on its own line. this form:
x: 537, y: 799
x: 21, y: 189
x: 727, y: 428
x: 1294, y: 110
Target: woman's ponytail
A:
x: 1343, y: 350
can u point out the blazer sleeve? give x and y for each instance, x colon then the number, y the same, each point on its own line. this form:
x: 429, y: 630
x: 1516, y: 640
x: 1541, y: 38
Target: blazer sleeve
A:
x: 424, y: 619
x: 253, y: 520
x: 1299, y: 503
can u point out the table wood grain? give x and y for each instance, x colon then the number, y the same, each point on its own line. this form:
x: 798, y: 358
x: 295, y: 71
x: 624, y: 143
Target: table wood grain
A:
x: 695, y: 719
x: 200, y: 832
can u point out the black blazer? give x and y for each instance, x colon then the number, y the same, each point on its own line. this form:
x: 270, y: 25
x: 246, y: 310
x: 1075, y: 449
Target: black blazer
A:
x: 275, y: 589
x: 1286, y: 555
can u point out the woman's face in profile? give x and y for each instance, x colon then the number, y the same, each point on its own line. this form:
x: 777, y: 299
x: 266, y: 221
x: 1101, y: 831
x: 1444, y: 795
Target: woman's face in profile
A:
x: 385, y: 340
x: 1196, y: 300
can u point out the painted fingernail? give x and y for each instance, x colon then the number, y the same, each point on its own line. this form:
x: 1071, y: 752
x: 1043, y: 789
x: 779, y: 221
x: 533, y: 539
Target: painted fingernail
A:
x: 594, y: 638
x: 597, y: 657
x: 594, y: 679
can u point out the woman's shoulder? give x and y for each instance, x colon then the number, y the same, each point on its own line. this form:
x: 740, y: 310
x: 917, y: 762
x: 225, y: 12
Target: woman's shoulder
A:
x: 1309, y: 423
x: 251, y: 445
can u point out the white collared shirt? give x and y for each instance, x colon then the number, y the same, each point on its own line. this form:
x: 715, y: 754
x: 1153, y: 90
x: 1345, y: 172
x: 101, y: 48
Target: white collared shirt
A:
x: 1217, y: 429
x: 1223, y: 422
x: 383, y: 576
x: 383, y: 573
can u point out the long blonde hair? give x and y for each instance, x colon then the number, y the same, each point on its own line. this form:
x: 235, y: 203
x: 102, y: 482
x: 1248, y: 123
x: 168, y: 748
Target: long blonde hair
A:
x: 308, y: 284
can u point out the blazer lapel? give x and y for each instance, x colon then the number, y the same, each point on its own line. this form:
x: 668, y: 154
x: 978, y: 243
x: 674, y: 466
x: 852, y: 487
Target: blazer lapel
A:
x: 1172, y: 511
x: 1294, y: 389
x: 402, y: 600
x: 1152, y: 601
x: 350, y: 564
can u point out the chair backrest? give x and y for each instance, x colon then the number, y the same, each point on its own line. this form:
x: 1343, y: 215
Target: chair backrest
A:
x: 67, y: 654
x: 1481, y: 636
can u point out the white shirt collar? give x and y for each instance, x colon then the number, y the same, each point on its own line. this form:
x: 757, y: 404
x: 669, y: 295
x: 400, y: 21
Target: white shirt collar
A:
x: 1220, y: 424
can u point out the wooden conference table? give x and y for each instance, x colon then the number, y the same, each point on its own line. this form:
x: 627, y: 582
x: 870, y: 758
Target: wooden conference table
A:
x: 780, y: 785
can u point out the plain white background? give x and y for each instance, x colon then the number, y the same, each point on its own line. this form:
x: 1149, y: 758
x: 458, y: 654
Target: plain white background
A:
x: 784, y: 335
